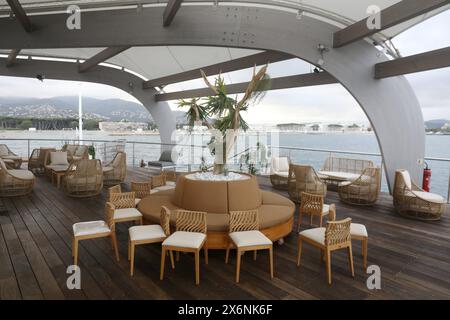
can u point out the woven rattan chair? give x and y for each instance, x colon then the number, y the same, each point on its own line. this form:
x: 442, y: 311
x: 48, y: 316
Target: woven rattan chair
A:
x: 279, y: 172
x: 190, y: 236
x: 312, y: 205
x: 14, y: 182
x: 12, y: 160
x: 36, y: 162
x: 116, y: 171
x: 335, y: 236
x: 336, y: 170
x: 364, y: 190
x: 412, y: 202
x: 125, y: 204
x: 165, y: 181
x: 76, y: 152
x: 149, y: 234
x: 113, y: 189
x: 304, y: 179
x: 95, y: 229
x: 244, y: 234
x: 84, y: 179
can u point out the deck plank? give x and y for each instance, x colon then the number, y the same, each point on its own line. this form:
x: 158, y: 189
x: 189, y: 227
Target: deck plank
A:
x: 35, y: 250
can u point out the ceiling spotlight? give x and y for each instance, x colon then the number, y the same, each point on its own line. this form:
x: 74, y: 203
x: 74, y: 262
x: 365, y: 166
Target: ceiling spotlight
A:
x: 316, y: 70
x: 139, y: 8
x: 40, y: 77
x: 300, y: 14
x: 215, y: 4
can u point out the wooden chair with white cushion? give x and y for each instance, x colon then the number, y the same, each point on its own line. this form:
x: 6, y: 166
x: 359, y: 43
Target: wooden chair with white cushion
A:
x: 148, y: 234
x: 335, y: 236
x: 141, y: 190
x: 357, y: 232
x: 125, y: 204
x: 244, y: 234
x: 190, y: 236
x: 412, y: 202
x: 113, y: 189
x: 312, y: 205
x: 279, y: 171
x: 161, y: 182
x: 95, y: 229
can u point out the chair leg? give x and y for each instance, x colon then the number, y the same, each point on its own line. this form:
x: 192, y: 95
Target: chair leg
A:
x: 172, y: 261
x: 299, y: 221
x: 271, y: 261
x: 238, y: 264
x: 328, y: 263
x: 320, y: 223
x: 197, y: 267
x: 131, y: 258
x: 163, y: 260
x: 311, y: 221
x: 116, y: 248
x: 299, y: 251
x: 129, y: 250
x: 75, y: 251
x: 364, y: 252
x: 350, y: 260
x: 205, y: 248
x: 227, y: 254
x: 254, y: 255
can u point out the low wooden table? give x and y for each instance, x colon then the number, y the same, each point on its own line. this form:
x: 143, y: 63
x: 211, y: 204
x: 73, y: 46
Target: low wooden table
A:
x: 57, y: 176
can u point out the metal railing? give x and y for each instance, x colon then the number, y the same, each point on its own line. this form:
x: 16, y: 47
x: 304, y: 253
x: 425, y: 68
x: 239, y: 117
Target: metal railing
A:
x: 159, y: 145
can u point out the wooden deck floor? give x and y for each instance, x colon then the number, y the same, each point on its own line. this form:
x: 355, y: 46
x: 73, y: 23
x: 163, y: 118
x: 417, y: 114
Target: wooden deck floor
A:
x: 35, y: 250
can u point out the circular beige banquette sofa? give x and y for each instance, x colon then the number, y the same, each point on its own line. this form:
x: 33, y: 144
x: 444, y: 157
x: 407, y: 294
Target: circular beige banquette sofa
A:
x: 218, y: 198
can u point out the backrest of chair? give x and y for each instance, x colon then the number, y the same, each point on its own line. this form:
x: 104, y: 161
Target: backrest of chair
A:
x: 244, y: 221
x: 119, y: 160
x: 311, y: 203
x: 346, y: 165
x: 170, y: 175
x: 280, y: 164
x: 165, y: 220
x: 303, y: 174
x: 191, y: 221
x: 114, y: 189
x: 123, y: 200
x: 338, y: 232
x: 141, y: 189
x: 109, y: 215
x: 42, y: 154
x: 4, y: 150
x: 88, y: 168
x: 158, y: 181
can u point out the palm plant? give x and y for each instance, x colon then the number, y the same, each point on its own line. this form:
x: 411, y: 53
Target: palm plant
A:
x: 226, y: 112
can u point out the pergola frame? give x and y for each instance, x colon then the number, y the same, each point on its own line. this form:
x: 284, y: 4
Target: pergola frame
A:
x: 401, y: 144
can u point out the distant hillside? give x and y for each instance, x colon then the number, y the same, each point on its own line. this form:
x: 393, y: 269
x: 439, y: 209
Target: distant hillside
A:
x: 436, y: 124
x: 67, y: 107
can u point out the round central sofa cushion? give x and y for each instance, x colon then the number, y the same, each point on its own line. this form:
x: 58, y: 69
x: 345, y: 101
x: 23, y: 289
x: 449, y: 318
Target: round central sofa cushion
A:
x: 274, y: 209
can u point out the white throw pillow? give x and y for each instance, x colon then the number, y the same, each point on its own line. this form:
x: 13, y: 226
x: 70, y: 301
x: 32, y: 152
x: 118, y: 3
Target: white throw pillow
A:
x: 59, y: 158
x: 3, y: 150
x: 283, y: 164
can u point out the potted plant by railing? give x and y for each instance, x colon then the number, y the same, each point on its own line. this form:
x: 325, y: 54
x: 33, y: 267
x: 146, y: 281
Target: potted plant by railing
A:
x: 223, y: 113
x: 91, y: 152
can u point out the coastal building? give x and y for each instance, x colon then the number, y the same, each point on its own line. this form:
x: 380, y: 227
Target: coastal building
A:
x: 122, y: 126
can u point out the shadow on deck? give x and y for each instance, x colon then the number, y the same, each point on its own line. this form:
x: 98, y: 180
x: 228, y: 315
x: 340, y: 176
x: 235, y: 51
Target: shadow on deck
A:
x: 35, y: 250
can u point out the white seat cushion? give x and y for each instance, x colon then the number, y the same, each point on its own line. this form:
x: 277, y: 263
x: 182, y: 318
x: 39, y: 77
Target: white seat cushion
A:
x: 136, y: 201
x: 127, y: 213
x: 183, y: 239
x: 22, y: 174
x: 139, y: 233
x: 58, y: 167
x: 340, y: 175
x: 170, y: 183
x: 58, y: 157
x: 431, y: 197
x: 325, y: 209
x: 358, y: 230
x: 107, y: 169
x: 249, y: 238
x: 163, y: 188
x: 283, y: 174
x: 316, y: 235
x: 407, y: 179
x: 90, y: 228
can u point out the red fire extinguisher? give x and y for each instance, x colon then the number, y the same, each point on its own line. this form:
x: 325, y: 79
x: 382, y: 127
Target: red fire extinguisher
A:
x: 426, y: 178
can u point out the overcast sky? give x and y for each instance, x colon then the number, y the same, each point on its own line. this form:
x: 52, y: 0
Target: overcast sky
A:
x: 323, y: 103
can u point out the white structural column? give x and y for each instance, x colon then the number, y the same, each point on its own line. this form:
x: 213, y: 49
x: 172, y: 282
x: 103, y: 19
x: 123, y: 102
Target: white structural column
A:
x: 390, y: 104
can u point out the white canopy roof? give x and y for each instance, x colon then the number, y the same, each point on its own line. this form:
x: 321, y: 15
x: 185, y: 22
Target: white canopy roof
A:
x: 167, y: 60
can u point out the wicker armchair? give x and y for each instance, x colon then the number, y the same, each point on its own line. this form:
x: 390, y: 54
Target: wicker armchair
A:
x: 36, y: 162
x: 412, y: 202
x: 336, y: 170
x: 15, y: 182
x: 116, y: 171
x: 12, y: 160
x: 304, y: 179
x: 364, y: 190
x: 76, y: 152
x: 84, y: 179
x: 279, y: 172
